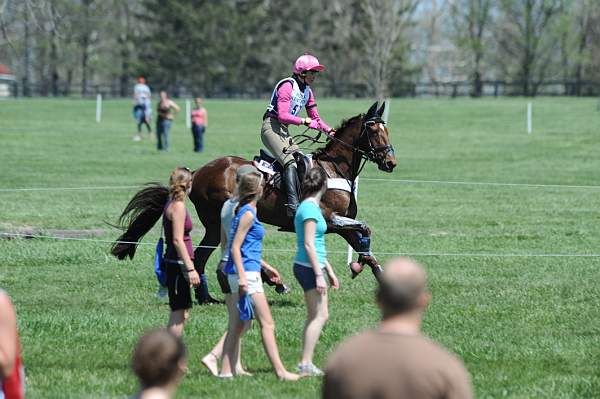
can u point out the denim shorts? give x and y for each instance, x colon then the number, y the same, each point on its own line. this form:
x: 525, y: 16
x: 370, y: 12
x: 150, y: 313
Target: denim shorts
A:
x: 305, y: 277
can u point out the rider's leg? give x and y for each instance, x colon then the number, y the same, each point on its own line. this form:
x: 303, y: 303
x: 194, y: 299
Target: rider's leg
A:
x: 292, y: 187
x: 275, y: 136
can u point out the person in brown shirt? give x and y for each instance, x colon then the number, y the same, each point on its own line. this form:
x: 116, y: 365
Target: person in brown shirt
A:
x: 166, y: 113
x: 395, y: 360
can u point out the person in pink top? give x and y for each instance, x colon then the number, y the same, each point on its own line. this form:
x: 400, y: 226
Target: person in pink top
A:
x: 289, y: 96
x: 199, y: 124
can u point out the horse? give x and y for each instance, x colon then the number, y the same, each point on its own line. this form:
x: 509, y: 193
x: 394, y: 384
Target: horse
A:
x: 359, y: 139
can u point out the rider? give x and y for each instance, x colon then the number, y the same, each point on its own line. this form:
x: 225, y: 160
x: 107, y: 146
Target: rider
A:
x: 289, y: 97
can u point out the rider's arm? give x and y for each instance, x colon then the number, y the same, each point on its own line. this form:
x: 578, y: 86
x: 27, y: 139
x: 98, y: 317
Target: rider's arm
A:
x: 284, y: 97
x: 313, y: 113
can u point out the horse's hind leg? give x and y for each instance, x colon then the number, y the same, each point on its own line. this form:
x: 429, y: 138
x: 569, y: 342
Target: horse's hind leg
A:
x: 211, y: 239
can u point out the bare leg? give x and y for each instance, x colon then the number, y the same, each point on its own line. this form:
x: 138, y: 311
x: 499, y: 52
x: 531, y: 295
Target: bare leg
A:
x: 210, y: 360
x: 267, y: 330
x: 316, y: 316
x: 231, y: 345
x: 177, y: 320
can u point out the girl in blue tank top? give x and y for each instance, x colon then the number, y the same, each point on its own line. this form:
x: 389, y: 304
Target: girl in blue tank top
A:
x: 251, y: 248
x: 243, y: 273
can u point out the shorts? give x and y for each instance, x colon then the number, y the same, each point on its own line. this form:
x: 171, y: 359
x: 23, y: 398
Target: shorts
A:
x: 180, y: 293
x: 222, y: 278
x: 305, y: 277
x: 254, y: 283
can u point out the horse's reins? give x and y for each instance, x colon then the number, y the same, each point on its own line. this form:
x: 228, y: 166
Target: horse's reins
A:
x: 367, y: 155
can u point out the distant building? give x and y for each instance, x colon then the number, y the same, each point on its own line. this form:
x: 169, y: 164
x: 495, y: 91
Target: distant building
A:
x: 7, y: 80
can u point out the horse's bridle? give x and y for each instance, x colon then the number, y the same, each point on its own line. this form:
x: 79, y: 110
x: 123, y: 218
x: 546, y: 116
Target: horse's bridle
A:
x: 374, y: 154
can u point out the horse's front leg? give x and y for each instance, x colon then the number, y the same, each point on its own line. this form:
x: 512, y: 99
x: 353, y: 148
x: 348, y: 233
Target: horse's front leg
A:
x: 358, y: 235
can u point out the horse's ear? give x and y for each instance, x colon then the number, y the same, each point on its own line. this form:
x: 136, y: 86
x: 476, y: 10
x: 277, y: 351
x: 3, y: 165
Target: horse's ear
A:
x: 371, y: 111
x: 380, y: 110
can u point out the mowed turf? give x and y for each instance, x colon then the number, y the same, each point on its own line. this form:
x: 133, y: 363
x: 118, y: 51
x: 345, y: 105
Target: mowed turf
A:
x: 526, y: 326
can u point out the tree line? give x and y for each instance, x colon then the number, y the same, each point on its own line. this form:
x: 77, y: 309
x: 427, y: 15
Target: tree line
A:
x: 372, y: 48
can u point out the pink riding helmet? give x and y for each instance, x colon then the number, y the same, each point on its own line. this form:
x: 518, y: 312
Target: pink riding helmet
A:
x: 307, y: 62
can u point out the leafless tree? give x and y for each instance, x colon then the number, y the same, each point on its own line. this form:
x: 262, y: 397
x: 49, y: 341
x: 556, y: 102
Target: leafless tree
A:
x: 387, y: 20
x: 471, y: 20
x: 523, y: 41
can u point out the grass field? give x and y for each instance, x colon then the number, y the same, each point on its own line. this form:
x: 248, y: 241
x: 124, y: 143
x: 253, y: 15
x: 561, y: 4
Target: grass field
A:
x: 526, y: 327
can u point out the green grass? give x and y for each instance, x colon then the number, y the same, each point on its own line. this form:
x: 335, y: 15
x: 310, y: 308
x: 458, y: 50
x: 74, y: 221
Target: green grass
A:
x: 526, y: 327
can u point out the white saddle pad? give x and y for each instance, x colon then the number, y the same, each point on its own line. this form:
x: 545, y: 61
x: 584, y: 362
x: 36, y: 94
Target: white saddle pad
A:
x: 339, y: 184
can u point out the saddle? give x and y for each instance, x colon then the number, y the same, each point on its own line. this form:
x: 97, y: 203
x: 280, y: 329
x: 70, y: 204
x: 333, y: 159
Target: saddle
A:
x: 271, y: 169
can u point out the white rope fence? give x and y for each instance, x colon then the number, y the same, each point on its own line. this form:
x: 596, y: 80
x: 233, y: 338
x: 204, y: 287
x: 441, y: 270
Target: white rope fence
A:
x: 8, y: 190
x: 404, y: 181
x: 429, y: 254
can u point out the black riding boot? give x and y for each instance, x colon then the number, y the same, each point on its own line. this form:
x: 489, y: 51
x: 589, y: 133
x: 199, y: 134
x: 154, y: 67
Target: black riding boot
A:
x: 290, y: 178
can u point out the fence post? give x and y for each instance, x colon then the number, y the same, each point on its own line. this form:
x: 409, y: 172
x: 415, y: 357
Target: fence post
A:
x: 188, y: 116
x: 98, y: 107
x: 529, y: 117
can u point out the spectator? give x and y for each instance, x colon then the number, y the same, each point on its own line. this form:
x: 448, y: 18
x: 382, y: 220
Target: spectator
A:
x: 199, y: 125
x: 142, y: 107
x: 394, y: 360
x: 166, y: 113
x: 12, y: 376
x: 159, y: 361
x: 179, y: 254
x: 268, y: 272
x: 243, y: 270
x: 310, y: 265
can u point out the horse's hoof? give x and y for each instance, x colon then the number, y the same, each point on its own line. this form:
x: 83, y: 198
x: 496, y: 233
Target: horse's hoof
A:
x: 355, y: 269
x: 210, y: 301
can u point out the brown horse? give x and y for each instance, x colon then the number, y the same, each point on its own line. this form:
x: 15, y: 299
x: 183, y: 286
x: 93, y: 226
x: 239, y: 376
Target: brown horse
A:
x: 359, y: 139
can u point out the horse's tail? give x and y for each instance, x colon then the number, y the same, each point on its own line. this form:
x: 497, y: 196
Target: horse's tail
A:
x: 140, y: 214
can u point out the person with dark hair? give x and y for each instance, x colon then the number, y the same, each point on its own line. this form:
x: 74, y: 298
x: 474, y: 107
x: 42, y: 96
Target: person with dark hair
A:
x: 395, y: 360
x: 311, y: 263
x: 243, y: 274
x: 179, y: 254
x: 159, y: 361
x: 166, y: 113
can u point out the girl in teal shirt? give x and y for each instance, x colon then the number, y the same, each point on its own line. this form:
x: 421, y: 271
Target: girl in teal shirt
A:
x: 311, y: 263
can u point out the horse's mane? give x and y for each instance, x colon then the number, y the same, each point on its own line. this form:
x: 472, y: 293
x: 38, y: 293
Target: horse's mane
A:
x: 340, y: 132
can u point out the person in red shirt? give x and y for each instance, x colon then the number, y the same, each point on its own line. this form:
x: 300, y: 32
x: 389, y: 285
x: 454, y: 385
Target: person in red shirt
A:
x: 12, y: 377
x: 199, y: 124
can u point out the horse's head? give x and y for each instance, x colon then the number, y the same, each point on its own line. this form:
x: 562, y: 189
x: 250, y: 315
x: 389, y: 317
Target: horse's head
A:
x: 375, y: 139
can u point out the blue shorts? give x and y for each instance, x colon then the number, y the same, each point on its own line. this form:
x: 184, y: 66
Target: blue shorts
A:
x: 305, y: 277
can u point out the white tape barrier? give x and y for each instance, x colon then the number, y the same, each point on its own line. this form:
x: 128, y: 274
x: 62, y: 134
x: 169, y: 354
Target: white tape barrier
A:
x: 69, y: 188
x: 429, y: 254
x: 405, y: 181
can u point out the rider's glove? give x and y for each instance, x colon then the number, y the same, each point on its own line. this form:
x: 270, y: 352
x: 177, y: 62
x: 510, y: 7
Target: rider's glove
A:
x: 314, y: 124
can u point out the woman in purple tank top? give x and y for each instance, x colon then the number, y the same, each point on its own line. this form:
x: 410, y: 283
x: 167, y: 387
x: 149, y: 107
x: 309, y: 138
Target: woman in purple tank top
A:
x: 179, y: 254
